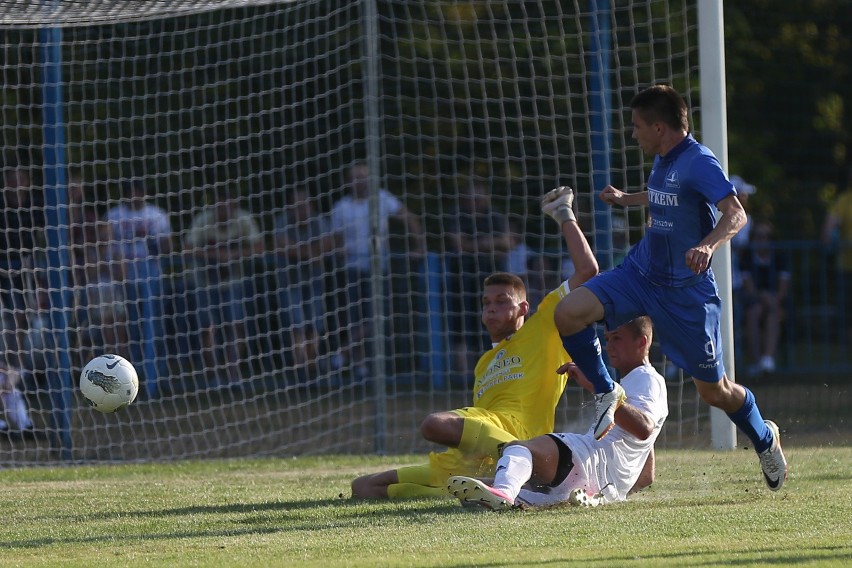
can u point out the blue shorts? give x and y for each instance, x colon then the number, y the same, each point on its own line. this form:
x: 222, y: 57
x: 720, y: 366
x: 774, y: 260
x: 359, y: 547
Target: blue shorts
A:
x: 686, y: 319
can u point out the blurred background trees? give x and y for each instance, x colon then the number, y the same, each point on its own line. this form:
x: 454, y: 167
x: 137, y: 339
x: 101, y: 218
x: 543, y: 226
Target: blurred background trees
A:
x: 789, y: 96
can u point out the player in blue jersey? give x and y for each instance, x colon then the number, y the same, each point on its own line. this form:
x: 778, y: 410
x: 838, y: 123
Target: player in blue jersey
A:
x: 667, y: 276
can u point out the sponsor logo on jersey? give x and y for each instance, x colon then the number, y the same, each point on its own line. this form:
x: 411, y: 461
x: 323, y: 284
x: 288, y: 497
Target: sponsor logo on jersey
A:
x: 657, y: 197
x: 501, y: 370
x: 662, y: 225
x: 672, y: 179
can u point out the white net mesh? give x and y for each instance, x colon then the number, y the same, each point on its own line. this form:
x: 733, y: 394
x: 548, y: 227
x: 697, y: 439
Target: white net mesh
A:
x: 88, y: 12
x: 215, y: 151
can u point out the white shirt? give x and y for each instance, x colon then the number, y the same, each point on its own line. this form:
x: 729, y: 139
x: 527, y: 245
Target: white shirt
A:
x: 612, y: 465
x: 134, y: 229
x: 352, y: 217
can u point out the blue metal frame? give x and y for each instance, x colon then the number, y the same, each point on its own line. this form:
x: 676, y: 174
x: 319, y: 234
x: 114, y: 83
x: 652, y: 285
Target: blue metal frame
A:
x: 56, y: 235
x: 599, y: 121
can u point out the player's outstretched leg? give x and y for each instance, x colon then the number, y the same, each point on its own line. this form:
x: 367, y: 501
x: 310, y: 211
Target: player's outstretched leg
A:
x: 605, y: 406
x: 473, y: 492
x: 584, y: 347
x: 772, y: 460
x: 764, y: 434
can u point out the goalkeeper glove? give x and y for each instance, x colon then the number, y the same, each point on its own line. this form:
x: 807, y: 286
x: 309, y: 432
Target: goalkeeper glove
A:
x: 559, y: 204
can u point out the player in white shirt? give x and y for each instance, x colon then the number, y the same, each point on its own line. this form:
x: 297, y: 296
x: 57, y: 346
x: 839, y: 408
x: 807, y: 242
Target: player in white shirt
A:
x: 577, y: 468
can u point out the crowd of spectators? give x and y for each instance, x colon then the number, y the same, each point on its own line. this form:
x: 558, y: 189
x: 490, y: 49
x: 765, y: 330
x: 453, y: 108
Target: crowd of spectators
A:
x: 221, y: 296
x: 199, y: 307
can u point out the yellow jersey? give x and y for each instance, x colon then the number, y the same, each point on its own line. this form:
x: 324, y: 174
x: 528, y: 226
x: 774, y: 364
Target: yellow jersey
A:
x: 518, y: 375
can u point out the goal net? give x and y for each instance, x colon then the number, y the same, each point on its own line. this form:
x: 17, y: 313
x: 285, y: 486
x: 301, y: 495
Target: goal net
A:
x: 282, y: 212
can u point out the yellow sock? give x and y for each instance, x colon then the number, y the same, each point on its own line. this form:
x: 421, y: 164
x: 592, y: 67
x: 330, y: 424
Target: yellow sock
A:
x: 481, y: 438
x: 411, y: 490
x: 416, y: 481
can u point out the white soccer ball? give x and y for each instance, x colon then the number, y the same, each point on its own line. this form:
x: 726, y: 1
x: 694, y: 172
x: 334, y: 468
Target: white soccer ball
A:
x: 109, y: 383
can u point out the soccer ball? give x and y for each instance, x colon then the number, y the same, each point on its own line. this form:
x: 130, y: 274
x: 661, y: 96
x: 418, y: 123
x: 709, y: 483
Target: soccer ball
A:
x: 109, y: 383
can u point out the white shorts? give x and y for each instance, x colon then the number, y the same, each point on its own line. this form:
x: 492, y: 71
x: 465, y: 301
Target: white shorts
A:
x: 581, y: 475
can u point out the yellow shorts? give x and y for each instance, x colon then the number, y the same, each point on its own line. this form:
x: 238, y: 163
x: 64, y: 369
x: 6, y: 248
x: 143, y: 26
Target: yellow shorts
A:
x: 453, y: 462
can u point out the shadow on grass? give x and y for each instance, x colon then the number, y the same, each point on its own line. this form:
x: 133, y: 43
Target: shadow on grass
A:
x: 749, y: 557
x: 267, y: 517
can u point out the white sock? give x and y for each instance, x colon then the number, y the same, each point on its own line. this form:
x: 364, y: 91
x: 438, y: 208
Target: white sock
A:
x: 514, y: 468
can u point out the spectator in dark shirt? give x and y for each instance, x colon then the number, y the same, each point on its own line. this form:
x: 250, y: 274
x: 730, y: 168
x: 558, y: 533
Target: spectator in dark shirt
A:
x: 766, y: 283
x: 21, y: 229
x: 478, y: 241
x: 304, y: 240
x: 837, y: 237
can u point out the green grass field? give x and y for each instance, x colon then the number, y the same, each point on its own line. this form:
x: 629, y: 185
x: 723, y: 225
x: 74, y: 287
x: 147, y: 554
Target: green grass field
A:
x: 706, y: 509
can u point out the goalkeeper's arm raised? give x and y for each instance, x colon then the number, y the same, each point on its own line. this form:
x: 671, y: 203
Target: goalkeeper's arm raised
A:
x: 559, y: 205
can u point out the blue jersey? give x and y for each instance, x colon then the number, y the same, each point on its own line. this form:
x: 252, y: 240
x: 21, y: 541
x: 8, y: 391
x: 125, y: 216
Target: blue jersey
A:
x: 683, y: 189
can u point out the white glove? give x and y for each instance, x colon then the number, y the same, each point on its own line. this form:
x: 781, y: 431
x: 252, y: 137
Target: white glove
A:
x: 559, y: 204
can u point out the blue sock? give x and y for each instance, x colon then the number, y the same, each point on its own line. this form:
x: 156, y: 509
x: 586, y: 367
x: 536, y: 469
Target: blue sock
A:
x: 584, y: 347
x: 750, y: 422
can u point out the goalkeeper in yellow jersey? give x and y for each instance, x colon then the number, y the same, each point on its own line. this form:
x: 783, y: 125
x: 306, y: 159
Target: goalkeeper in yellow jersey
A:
x: 517, y: 387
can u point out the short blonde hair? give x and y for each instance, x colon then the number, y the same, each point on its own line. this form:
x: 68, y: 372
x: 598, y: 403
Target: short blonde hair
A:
x: 508, y: 279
